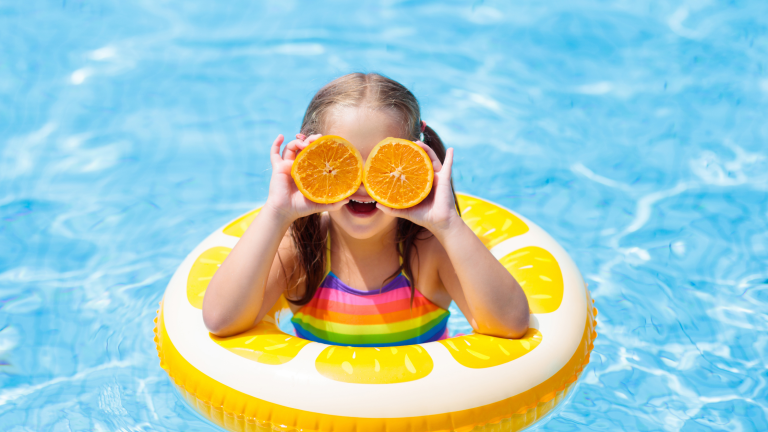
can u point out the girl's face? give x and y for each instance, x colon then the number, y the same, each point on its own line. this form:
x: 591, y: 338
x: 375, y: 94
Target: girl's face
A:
x: 364, y: 128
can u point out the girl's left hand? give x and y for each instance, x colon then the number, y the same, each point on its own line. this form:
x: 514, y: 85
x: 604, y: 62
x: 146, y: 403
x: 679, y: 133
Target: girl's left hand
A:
x: 438, y: 211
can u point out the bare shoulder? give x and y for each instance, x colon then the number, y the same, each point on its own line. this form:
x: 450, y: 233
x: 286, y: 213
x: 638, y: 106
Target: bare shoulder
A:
x: 428, y: 260
x: 286, y: 252
x: 431, y: 256
x: 430, y: 251
x: 285, y: 265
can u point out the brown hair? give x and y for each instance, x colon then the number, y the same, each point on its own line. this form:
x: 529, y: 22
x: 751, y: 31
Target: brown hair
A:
x: 377, y: 92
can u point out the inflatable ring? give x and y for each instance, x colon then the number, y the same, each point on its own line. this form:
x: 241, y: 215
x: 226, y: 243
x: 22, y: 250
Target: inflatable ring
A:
x: 265, y: 379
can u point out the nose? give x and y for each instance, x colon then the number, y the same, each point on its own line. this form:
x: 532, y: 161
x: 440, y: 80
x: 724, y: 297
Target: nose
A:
x: 361, y: 194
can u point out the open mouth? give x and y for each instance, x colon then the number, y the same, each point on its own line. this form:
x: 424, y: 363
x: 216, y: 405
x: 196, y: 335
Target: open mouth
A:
x: 361, y: 207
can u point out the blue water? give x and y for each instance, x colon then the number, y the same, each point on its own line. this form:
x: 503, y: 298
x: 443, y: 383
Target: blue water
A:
x: 635, y: 133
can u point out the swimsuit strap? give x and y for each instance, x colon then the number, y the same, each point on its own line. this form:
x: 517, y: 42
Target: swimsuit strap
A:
x: 400, y: 257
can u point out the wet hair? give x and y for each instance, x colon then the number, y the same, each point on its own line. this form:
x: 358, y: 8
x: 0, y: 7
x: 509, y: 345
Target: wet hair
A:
x: 377, y: 92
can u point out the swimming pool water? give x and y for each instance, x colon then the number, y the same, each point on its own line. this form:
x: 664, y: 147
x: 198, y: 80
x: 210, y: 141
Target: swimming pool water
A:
x: 634, y: 132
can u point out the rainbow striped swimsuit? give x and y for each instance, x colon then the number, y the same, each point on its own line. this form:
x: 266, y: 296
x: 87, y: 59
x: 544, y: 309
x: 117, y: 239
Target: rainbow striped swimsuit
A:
x: 341, y: 315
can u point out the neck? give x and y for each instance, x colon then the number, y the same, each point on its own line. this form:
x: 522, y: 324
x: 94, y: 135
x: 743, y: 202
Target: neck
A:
x: 377, y: 250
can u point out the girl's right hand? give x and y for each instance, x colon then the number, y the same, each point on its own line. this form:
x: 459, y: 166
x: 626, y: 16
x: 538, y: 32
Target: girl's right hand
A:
x: 284, y: 197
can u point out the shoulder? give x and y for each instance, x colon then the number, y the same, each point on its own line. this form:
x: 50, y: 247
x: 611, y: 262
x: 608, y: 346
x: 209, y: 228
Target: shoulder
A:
x: 429, y: 256
x: 287, y: 248
x: 429, y: 248
x: 430, y: 260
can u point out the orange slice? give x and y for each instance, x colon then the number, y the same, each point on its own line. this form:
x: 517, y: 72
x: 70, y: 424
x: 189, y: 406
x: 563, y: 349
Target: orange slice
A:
x: 480, y: 351
x: 540, y: 276
x: 201, y: 273
x: 493, y: 224
x: 328, y: 170
x: 264, y: 343
x: 398, y: 173
x: 238, y: 227
x: 369, y: 365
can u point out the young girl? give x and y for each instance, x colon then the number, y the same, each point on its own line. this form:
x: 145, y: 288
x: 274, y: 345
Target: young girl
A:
x: 356, y: 272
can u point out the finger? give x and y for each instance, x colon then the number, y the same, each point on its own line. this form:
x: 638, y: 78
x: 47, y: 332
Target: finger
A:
x: 307, y: 141
x: 448, y: 165
x: 392, y: 212
x: 300, y: 136
x: 331, y: 207
x: 338, y: 205
x: 384, y: 209
x: 436, y: 164
x: 291, y: 150
x: 274, y: 151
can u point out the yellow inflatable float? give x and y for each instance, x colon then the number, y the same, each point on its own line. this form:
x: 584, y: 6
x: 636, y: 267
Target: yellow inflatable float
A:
x: 265, y: 379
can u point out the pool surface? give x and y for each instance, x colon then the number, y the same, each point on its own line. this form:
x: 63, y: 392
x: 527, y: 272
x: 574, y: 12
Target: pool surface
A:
x: 635, y: 134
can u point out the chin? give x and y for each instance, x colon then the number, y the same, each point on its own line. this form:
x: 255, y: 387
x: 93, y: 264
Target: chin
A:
x: 362, y: 225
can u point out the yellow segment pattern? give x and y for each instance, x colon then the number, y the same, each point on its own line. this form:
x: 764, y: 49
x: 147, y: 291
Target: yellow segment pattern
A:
x: 491, y: 223
x: 201, y: 273
x: 264, y: 343
x: 478, y: 351
x: 238, y: 227
x: 384, y: 365
x: 539, y: 274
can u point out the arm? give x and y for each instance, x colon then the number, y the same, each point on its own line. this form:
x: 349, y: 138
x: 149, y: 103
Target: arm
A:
x: 493, y: 301
x: 488, y: 295
x: 251, y: 278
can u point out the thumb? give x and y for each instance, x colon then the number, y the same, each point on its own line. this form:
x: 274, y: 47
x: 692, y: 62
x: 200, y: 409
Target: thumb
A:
x: 386, y: 210
x: 338, y: 205
x: 319, y: 208
x: 401, y: 213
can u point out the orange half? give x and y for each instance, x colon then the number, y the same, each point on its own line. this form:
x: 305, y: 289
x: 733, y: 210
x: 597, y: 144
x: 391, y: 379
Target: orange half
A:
x: 398, y: 173
x: 328, y: 170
